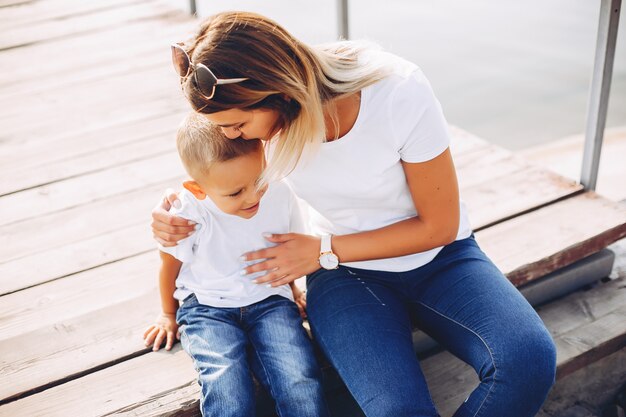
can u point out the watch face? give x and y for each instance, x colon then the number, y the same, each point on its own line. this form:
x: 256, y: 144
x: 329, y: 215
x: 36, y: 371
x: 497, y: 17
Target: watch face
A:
x: 329, y: 261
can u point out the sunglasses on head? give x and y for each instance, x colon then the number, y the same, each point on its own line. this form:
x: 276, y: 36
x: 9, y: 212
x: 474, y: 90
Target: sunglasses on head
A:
x: 204, y: 78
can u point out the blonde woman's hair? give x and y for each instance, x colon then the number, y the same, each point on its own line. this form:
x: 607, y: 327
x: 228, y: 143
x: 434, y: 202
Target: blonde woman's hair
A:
x: 283, y: 74
x: 201, y: 144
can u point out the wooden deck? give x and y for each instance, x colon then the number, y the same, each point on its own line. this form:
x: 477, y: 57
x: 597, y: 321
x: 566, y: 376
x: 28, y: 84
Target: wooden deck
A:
x: 89, y: 107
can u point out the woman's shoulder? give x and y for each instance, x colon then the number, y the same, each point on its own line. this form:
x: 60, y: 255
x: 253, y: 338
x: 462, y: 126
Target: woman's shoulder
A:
x: 404, y: 83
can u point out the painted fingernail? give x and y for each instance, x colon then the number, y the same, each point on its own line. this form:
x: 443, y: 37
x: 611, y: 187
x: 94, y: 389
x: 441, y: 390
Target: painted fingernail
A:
x: 255, y: 281
x: 243, y: 272
x: 177, y: 204
x: 267, y: 235
x: 268, y: 285
x: 190, y: 223
x: 242, y: 258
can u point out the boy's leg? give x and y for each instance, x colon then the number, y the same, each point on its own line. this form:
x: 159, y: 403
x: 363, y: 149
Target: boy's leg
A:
x: 217, y: 344
x: 361, y: 322
x: 283, y: 359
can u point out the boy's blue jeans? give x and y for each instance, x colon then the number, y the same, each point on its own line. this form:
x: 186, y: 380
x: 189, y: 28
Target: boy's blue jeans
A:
x: 265, y: 338
x: 362, y: 321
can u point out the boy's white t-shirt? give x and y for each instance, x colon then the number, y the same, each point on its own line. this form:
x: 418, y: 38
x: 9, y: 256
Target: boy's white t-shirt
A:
x: 357, y: 183
x: 211, y: 266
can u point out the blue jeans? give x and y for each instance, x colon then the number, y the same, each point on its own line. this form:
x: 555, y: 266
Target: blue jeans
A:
x: 362, y: 320
x: 229, y: 345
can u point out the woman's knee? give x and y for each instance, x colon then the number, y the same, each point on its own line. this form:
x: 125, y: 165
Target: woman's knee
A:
x: 530, y: 367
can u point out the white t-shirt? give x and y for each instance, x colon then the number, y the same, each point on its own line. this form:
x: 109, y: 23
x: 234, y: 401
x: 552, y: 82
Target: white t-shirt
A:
x: 356, y: 183
x: 211, y: 267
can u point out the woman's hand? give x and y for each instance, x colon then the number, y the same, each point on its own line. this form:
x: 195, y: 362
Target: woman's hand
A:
x: 294, y: 256
x: 168, y: 229
x: 165, y: 328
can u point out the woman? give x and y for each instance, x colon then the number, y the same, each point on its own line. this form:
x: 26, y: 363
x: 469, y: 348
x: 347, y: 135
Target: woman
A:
x: 361, y: 138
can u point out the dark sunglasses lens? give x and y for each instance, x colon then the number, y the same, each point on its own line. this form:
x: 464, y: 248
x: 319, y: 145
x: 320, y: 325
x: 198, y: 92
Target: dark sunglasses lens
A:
x: 205, y: 80
x: 180, y: 60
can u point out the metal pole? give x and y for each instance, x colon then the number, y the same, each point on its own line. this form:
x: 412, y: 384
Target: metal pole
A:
x: 600, y: 89
x: 192, y: 7
x: 342, y: 19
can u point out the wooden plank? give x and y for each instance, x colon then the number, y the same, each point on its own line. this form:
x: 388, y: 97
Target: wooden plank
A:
x: 77, y: 145
x: 450, y: 380
x: 13, y: 3
x: 91, y: 52
x: 40, y: 11
x: 154, y: 377
x: 53, y: 167
x: 80, y: 223
x: 463, y: 142
x: 61, y: 351
x: 59, y: 262
x: 75, y: 26
x: 537, y: 243
x: 144, y: 60
x: 68, y: 298
x: 507, y: 196
x: 86, y: 104
x: 587, y: 344
x: 87, y: 188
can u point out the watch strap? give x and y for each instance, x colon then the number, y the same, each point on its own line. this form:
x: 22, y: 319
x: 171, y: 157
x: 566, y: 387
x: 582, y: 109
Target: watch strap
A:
x: 326, y: 244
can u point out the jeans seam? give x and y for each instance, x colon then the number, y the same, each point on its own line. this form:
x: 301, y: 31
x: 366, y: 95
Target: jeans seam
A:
x: 270, y: 386
x: 484, y: 343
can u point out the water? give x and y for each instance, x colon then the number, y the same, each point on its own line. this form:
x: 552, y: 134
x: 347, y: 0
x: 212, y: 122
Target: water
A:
x: 516, y: 73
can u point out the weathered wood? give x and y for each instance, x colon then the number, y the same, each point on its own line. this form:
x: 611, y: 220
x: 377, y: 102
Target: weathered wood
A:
x: 80, y: 223
x: 79, y: 256
x: 87, y: 188
x: 54, y: 168
x: 93, y: 55
x: 463, y: 141
x: 587, y: 344
x: 84, y: 106
x: 44, y: 305
x: 13, y: 3
x: 40, y: 11
x: 507, y: 196
x: 88, y: 150
x: 153, y: 377
x: 75, y: 26
x: 77, y: 345
x: 537, y: 243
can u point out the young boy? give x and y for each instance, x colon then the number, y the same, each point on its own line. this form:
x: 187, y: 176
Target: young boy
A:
x: 230, y: 326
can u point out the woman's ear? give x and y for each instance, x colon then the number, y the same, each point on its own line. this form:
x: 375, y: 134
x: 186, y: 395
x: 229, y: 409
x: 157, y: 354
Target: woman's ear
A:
x: 194, y: 188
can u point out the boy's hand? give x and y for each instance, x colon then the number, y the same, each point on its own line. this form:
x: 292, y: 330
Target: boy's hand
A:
x: 300, y: 299
x: 165, y: 328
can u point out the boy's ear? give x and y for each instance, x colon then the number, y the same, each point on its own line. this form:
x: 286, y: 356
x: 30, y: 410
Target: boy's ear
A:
x: 195, y: 189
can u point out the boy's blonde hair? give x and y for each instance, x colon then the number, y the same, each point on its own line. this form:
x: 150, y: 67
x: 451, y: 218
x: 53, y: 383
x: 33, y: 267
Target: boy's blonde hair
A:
x: 283, y: 74
x: 201, y: 143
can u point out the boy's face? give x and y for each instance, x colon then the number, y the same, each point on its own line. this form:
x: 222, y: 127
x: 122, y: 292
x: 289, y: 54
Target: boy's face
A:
x: 231, y: 185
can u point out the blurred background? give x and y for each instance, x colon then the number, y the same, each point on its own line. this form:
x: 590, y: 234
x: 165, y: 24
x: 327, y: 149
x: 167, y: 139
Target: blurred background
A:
x: 516, y: 73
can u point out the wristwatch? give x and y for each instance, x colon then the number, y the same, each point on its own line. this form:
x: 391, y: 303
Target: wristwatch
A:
x: 328, y: 260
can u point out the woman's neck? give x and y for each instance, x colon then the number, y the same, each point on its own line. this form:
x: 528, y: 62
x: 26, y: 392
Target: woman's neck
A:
x: 340, y: 115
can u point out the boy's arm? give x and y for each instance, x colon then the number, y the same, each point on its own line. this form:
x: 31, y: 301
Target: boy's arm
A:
x: 299, y: 297
x: 170, y: 267
x: 165, y: 327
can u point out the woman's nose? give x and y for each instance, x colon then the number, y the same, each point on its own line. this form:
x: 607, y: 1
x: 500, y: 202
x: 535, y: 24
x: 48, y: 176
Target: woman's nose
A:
x: 231, y: 132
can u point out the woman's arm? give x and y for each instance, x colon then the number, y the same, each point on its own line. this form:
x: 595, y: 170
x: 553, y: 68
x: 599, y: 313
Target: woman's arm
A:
x: 168, y: 229
x: 434, y: 190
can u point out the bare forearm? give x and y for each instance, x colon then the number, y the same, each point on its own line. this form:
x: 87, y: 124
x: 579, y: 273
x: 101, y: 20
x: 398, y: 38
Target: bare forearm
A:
x: 399, y: 239
x: 167, y: 283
